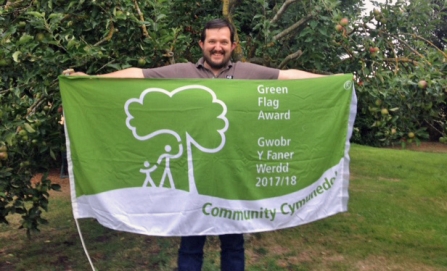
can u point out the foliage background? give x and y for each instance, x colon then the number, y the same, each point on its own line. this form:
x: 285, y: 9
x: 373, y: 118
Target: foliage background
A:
x: 390, y: 50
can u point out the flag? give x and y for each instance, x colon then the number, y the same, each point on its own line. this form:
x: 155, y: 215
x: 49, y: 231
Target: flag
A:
x: 185, y: 157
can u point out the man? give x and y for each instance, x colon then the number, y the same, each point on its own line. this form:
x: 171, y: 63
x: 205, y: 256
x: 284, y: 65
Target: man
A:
x: 217, y: 43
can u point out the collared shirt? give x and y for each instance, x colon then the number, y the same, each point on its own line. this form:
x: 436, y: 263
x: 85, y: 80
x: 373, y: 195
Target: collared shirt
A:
x: 234, y: 70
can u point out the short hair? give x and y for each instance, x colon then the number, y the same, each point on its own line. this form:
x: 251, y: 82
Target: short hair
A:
x: 217, y: 24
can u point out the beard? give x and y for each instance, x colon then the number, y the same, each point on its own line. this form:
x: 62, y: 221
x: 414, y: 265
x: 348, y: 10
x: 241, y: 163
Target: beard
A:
x: 216, y: 65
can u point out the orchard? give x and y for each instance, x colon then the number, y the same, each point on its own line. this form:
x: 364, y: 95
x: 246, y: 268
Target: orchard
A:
x: 396, y: 53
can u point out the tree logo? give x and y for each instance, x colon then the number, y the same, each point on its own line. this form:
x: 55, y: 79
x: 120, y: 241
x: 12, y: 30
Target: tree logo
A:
x: 348, y: 85
x: 188, y: 103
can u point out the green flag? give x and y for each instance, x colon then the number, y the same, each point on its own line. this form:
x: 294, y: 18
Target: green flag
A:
x: 193, y: 157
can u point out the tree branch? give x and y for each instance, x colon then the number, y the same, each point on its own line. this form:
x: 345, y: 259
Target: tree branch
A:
x: 413, y: 50
x: 32, y: 108
x: 109, y: 36
x: 170, y: 55
x: 390, y: 44
x: 226, y: 8
x: 12, y: 4
x: 281, y: 10
x: 293, y: 27
x: 431, y: 44
x: 431, y: 125
x: 143, y: 27
x: 401, y: 59
x: 290, y: 57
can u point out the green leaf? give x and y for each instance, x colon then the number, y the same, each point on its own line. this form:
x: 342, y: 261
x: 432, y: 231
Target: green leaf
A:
x: 309, y: 39
x: 322, y: 31
x: 161, y: 16
x: 10, y: 137
x: 25, y: 39
x: 28, y: 128
x: 305, y: 32
x: 16, y: 55
x: 55, y: 15
x: 72, y: 43
x: 115, y: 66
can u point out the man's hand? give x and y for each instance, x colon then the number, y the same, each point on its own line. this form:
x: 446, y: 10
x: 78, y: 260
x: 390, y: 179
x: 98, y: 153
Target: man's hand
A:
x: 126, y: 73
x: 71, y: 72
x: 297, y: 74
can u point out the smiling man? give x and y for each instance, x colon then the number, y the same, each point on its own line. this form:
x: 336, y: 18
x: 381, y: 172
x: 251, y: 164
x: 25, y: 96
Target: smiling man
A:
x: 217, y: 43
x: 216, y: 48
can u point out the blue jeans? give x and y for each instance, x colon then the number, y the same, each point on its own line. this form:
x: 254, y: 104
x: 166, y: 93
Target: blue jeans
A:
x: 190, y: 254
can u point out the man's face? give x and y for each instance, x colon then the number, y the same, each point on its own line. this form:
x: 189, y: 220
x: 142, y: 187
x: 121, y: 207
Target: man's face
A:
x: 217, y: 48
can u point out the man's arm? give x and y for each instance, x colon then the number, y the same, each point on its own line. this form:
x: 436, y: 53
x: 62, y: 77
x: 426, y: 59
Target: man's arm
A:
x: 126, y: 73
x: 297, y: 74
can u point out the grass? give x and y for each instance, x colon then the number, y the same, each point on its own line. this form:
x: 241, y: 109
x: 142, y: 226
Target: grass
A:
x: 396, y: 221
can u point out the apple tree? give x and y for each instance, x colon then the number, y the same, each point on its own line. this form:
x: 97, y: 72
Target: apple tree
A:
x: 400, y: 74
x: 40, y: 39
x: 398, y: 69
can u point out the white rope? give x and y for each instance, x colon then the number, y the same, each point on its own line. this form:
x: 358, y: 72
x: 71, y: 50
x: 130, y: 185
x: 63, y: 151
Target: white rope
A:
x: 73, y: 194
x: 83, y: 245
